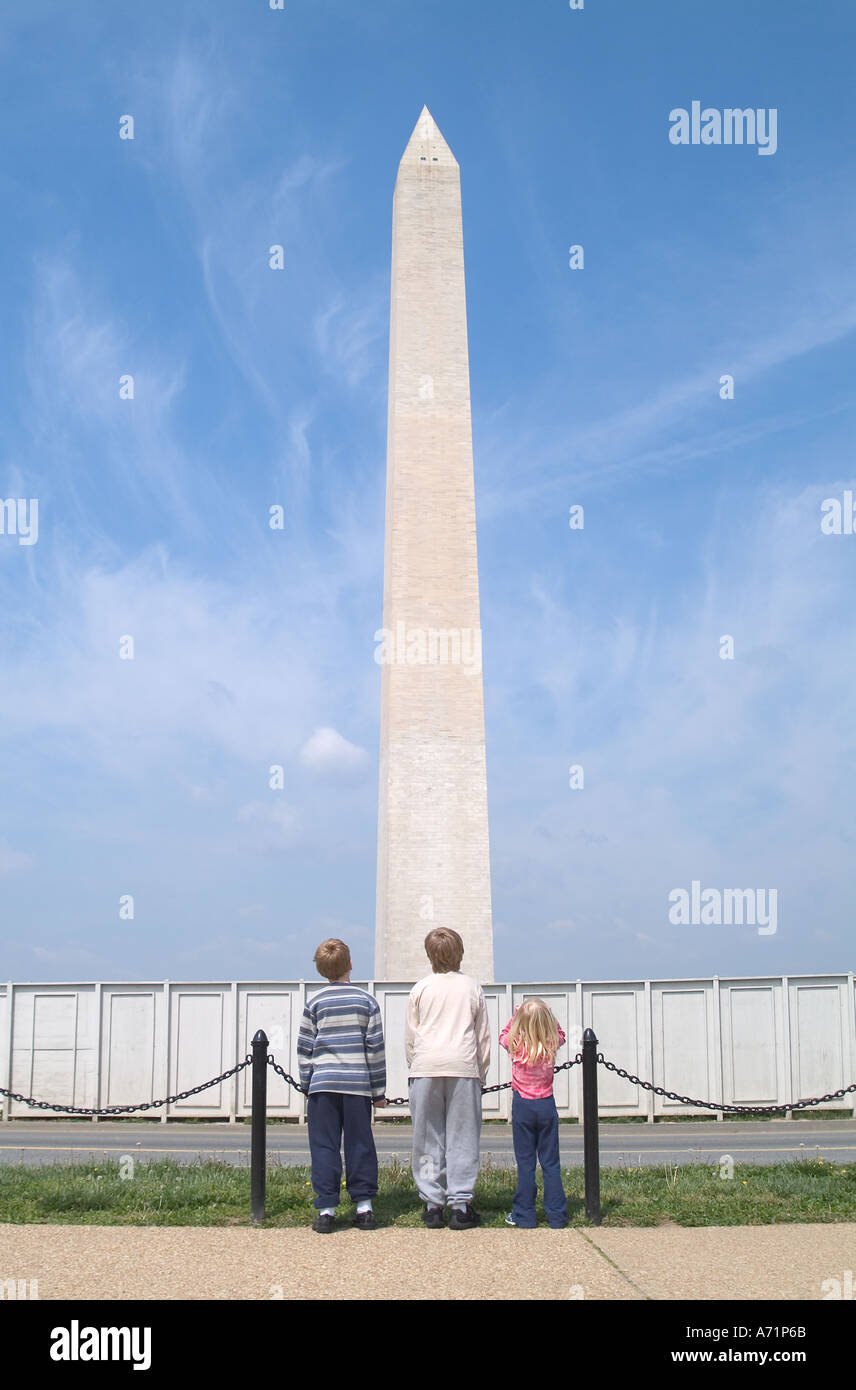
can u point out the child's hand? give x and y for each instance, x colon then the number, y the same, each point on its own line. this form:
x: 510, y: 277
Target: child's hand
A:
x: 379, y: 1104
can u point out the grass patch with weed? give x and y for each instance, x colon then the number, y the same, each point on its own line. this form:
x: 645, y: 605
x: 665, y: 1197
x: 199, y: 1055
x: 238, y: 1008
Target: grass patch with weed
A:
x: 167, y: 1193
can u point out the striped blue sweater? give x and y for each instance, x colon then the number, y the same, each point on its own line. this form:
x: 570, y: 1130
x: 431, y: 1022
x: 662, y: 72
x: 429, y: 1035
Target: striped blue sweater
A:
x: 340, y: 1043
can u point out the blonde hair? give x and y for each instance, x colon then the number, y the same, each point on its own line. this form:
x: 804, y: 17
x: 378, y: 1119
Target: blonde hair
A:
x: 332, y: 959
x: 533, y: 1034
x: 445, y: 950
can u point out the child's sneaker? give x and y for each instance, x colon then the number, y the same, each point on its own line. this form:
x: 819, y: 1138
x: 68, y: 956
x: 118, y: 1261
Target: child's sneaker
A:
x: 365, y: 1221
x: 324, y: 1224
x: 433, y: 1218
x: 464, y: 1220
x: 509, y: 1220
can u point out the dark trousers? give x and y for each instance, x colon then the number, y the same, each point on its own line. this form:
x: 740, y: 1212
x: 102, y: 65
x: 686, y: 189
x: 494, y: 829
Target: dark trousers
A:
x: 535, y: 1131
x: 330, y: 1114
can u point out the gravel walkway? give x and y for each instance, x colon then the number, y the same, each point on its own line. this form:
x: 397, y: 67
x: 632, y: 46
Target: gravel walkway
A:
x: 668, y: 1262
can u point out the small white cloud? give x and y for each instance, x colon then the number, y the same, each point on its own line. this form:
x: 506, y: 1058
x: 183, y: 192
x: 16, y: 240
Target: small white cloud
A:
x: 327, y: 751
x: 306, y: 171
x: 14, y: 861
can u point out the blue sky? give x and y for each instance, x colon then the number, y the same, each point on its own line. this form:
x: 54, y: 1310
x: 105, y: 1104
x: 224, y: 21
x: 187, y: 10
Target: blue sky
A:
x: 255, y: 387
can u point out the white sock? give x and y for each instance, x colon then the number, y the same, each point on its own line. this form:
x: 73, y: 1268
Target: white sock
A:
x: 327, y: 1211
x: 363, y: 1206
x: 459, y: 1206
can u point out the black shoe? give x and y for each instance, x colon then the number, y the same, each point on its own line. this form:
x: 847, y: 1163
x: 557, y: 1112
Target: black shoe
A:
x: 324, y: 1224
x: 433, y: 1218
x: 365, y: 1221
x: 464, y: 1220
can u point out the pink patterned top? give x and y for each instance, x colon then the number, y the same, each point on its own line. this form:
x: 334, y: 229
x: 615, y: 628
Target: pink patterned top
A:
x: 531, y: 1080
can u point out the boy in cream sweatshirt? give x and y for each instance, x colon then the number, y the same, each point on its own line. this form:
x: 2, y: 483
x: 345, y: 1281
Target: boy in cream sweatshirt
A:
x: 447, y: 1042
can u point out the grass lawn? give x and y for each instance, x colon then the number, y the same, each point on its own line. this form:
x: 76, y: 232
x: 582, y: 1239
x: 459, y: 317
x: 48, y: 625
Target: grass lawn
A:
x: 167, y: 1193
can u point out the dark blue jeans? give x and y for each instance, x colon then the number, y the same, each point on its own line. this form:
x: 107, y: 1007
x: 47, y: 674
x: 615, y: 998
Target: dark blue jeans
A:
x: 535, y: 1130
x: 328, y: 1115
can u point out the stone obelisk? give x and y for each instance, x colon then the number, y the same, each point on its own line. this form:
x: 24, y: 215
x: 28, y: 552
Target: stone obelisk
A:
x: 433, y: 858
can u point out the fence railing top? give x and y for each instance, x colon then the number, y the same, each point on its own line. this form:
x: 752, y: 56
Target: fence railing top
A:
x: 567, y: 984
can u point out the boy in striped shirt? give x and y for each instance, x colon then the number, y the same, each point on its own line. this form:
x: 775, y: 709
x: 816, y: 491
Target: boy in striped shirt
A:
x: 340, y: 1054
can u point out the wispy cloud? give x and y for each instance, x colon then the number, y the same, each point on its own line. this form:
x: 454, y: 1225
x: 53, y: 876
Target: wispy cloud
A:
x: 328, y: 752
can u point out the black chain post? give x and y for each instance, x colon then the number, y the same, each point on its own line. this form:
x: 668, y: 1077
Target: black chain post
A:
x: 591, y: 1148
x: 259, y: 1127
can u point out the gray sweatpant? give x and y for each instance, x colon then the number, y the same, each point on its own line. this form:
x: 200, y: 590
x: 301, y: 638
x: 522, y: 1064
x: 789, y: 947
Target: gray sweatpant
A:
x: 446, y: 1113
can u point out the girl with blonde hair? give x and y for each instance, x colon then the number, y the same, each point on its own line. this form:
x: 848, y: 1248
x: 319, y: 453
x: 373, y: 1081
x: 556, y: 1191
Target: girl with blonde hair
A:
x: 532, y: 1037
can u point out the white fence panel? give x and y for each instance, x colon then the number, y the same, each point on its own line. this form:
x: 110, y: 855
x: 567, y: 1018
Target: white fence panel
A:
x: 392, y: 999
x: 5, y: 1040
x: 131, y: 1020
x: 198, y: 1029
x: 753, y: 1068
x: 760, y: 1041
x: 820, y: 1046
x: 276, y: 1010
x: 616, y: 1012
x: 53, y: 1043
x: 683, y: 1036
x: 493, y: 1106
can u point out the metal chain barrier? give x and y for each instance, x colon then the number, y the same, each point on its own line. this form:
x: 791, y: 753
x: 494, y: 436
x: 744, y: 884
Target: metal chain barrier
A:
x: 634, y: 1081
x: 726, y: 1109
x: 404, y: 1100
x: 272, y: 1062
x: 127, y: 1109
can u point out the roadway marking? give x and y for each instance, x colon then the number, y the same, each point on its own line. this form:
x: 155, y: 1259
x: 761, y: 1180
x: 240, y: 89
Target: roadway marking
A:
x: 70, y: 1149
x: 67, y: 1148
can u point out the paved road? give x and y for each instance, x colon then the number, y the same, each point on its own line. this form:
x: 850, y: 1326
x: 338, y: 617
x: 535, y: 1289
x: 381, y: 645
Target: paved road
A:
x: 775, y: 1141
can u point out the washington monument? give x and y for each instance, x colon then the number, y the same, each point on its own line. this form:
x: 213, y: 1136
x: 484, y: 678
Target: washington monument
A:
x: 433, y: 865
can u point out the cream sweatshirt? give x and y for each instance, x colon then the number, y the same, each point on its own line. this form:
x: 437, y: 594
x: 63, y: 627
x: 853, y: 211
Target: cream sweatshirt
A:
x: 447, y: 1031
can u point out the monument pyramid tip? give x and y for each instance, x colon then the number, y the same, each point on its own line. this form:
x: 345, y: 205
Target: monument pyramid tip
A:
x: 426, y: 142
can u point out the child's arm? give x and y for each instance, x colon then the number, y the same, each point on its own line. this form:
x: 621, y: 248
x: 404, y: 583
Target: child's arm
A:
x: 410, y: 1027
x: 376, y: 1058
x: 306, y: 1047
x: 503, y: 1037
x: 482, y: 1036
x: 561, y: 1037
